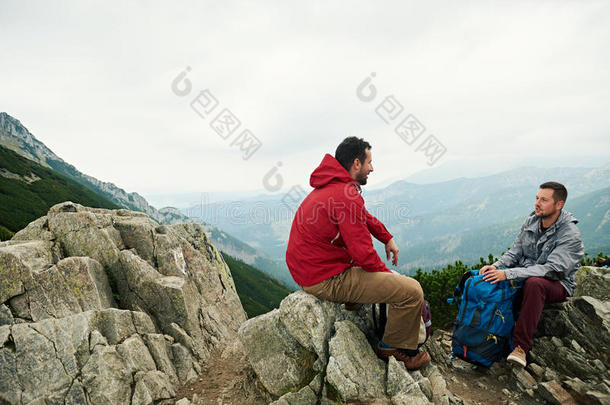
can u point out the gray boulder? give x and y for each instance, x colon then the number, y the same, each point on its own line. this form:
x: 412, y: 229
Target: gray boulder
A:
x: 86, y: 350
x: 171, y: 272
x: 354, y: 370
x: 152, y: 386
x: 572, y: 343
x: 62, y: 280
x: 281, y: 363
x: 311, y: 321
x: 593, y: 282
x: 315, y: 351
x: 73, y: 285
x: 402, y: 387
x: 440, y: 394
x: 17, y: 263
x: 305, y: 396
x: 584, y: 320
x: 296, y: 336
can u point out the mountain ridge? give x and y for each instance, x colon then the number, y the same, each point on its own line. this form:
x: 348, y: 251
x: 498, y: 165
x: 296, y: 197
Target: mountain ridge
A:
x: 28, y: 190
x: 15, y: 136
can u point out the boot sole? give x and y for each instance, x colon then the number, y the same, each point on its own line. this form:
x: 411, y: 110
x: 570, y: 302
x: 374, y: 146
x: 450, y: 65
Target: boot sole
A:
x: 516, y: 360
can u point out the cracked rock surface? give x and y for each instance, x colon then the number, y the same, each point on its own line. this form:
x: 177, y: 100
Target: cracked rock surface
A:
x: 319, y: 353
x: 107, y: 307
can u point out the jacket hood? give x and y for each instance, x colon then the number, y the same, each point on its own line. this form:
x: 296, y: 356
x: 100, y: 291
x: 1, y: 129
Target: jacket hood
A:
x: 328, y: 171
x: 564, y: 217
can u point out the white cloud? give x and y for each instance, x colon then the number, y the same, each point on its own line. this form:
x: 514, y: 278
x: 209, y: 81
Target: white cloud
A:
x: 92, y: 81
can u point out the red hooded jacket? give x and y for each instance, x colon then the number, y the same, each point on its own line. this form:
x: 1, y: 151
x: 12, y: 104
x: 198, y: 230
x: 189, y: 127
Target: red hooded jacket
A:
x: 332, y: 229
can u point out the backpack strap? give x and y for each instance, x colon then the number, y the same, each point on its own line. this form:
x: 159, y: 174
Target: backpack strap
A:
x: 379, y: 327
x: 460, y: 287
x: 374, y: 317
x: 383, y: 318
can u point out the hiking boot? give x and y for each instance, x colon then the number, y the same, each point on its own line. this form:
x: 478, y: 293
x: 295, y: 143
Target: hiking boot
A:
x: 517, y: 357
x: 411, y: 362
x: 352, y: 306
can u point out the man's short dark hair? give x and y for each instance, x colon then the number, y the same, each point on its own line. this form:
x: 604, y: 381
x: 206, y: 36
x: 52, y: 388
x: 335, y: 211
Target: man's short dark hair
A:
x: 560, y: 193
x: 350, y: 149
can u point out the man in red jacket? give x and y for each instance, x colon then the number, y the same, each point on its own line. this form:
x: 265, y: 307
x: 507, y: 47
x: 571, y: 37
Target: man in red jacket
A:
x: 330, y: 252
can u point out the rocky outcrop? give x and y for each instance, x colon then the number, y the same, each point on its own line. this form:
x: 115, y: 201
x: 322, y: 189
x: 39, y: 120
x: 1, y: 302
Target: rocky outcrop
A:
x: 572, y: 348
x: 317, y: 352
x: 569, y: 361
x: 106, y: 306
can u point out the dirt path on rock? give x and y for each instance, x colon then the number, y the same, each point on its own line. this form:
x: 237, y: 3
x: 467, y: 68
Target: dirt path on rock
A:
x: 227, y: 378
x: 475, y: 385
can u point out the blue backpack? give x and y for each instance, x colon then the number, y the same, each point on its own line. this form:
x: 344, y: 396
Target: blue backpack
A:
x: 482, y: 333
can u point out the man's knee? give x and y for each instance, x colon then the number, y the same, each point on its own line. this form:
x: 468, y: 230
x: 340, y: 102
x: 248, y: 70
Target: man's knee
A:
x: 534, y: 283
x: 412, y: 289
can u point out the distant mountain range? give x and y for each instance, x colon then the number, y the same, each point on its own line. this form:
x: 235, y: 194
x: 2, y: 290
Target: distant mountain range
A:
x: 487, y: 166
x: 592, y: 210
x: 435, y: 224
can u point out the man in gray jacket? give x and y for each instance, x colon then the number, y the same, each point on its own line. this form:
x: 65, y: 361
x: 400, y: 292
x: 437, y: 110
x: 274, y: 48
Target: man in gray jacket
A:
x: 546, y: 254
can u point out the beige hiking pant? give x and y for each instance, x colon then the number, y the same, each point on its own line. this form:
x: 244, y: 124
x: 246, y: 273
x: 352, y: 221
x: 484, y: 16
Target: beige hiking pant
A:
x: 403, y: 295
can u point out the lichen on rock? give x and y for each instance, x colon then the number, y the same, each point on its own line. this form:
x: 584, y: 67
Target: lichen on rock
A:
x: 105, y: 306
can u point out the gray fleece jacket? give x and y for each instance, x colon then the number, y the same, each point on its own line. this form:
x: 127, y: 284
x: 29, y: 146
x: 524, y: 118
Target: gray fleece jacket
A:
x: 554, y: 255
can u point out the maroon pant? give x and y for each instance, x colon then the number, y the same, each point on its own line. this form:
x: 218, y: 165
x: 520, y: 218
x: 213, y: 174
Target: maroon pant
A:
x: 537, y: 291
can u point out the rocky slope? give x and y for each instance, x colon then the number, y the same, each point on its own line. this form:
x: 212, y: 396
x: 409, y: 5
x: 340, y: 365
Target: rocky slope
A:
x: 107, y: 307
x: 317, y: 352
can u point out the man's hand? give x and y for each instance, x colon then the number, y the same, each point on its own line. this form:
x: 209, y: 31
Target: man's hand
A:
x: 485, y: 269
x: 493, y: 276
x: 391, y: 247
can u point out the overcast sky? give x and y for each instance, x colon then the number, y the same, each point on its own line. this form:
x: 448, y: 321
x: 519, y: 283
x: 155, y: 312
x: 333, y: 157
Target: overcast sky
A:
x: 494, y: 82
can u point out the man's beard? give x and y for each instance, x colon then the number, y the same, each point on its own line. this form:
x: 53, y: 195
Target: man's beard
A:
x: 361, y: 178
x: 545, y: 216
